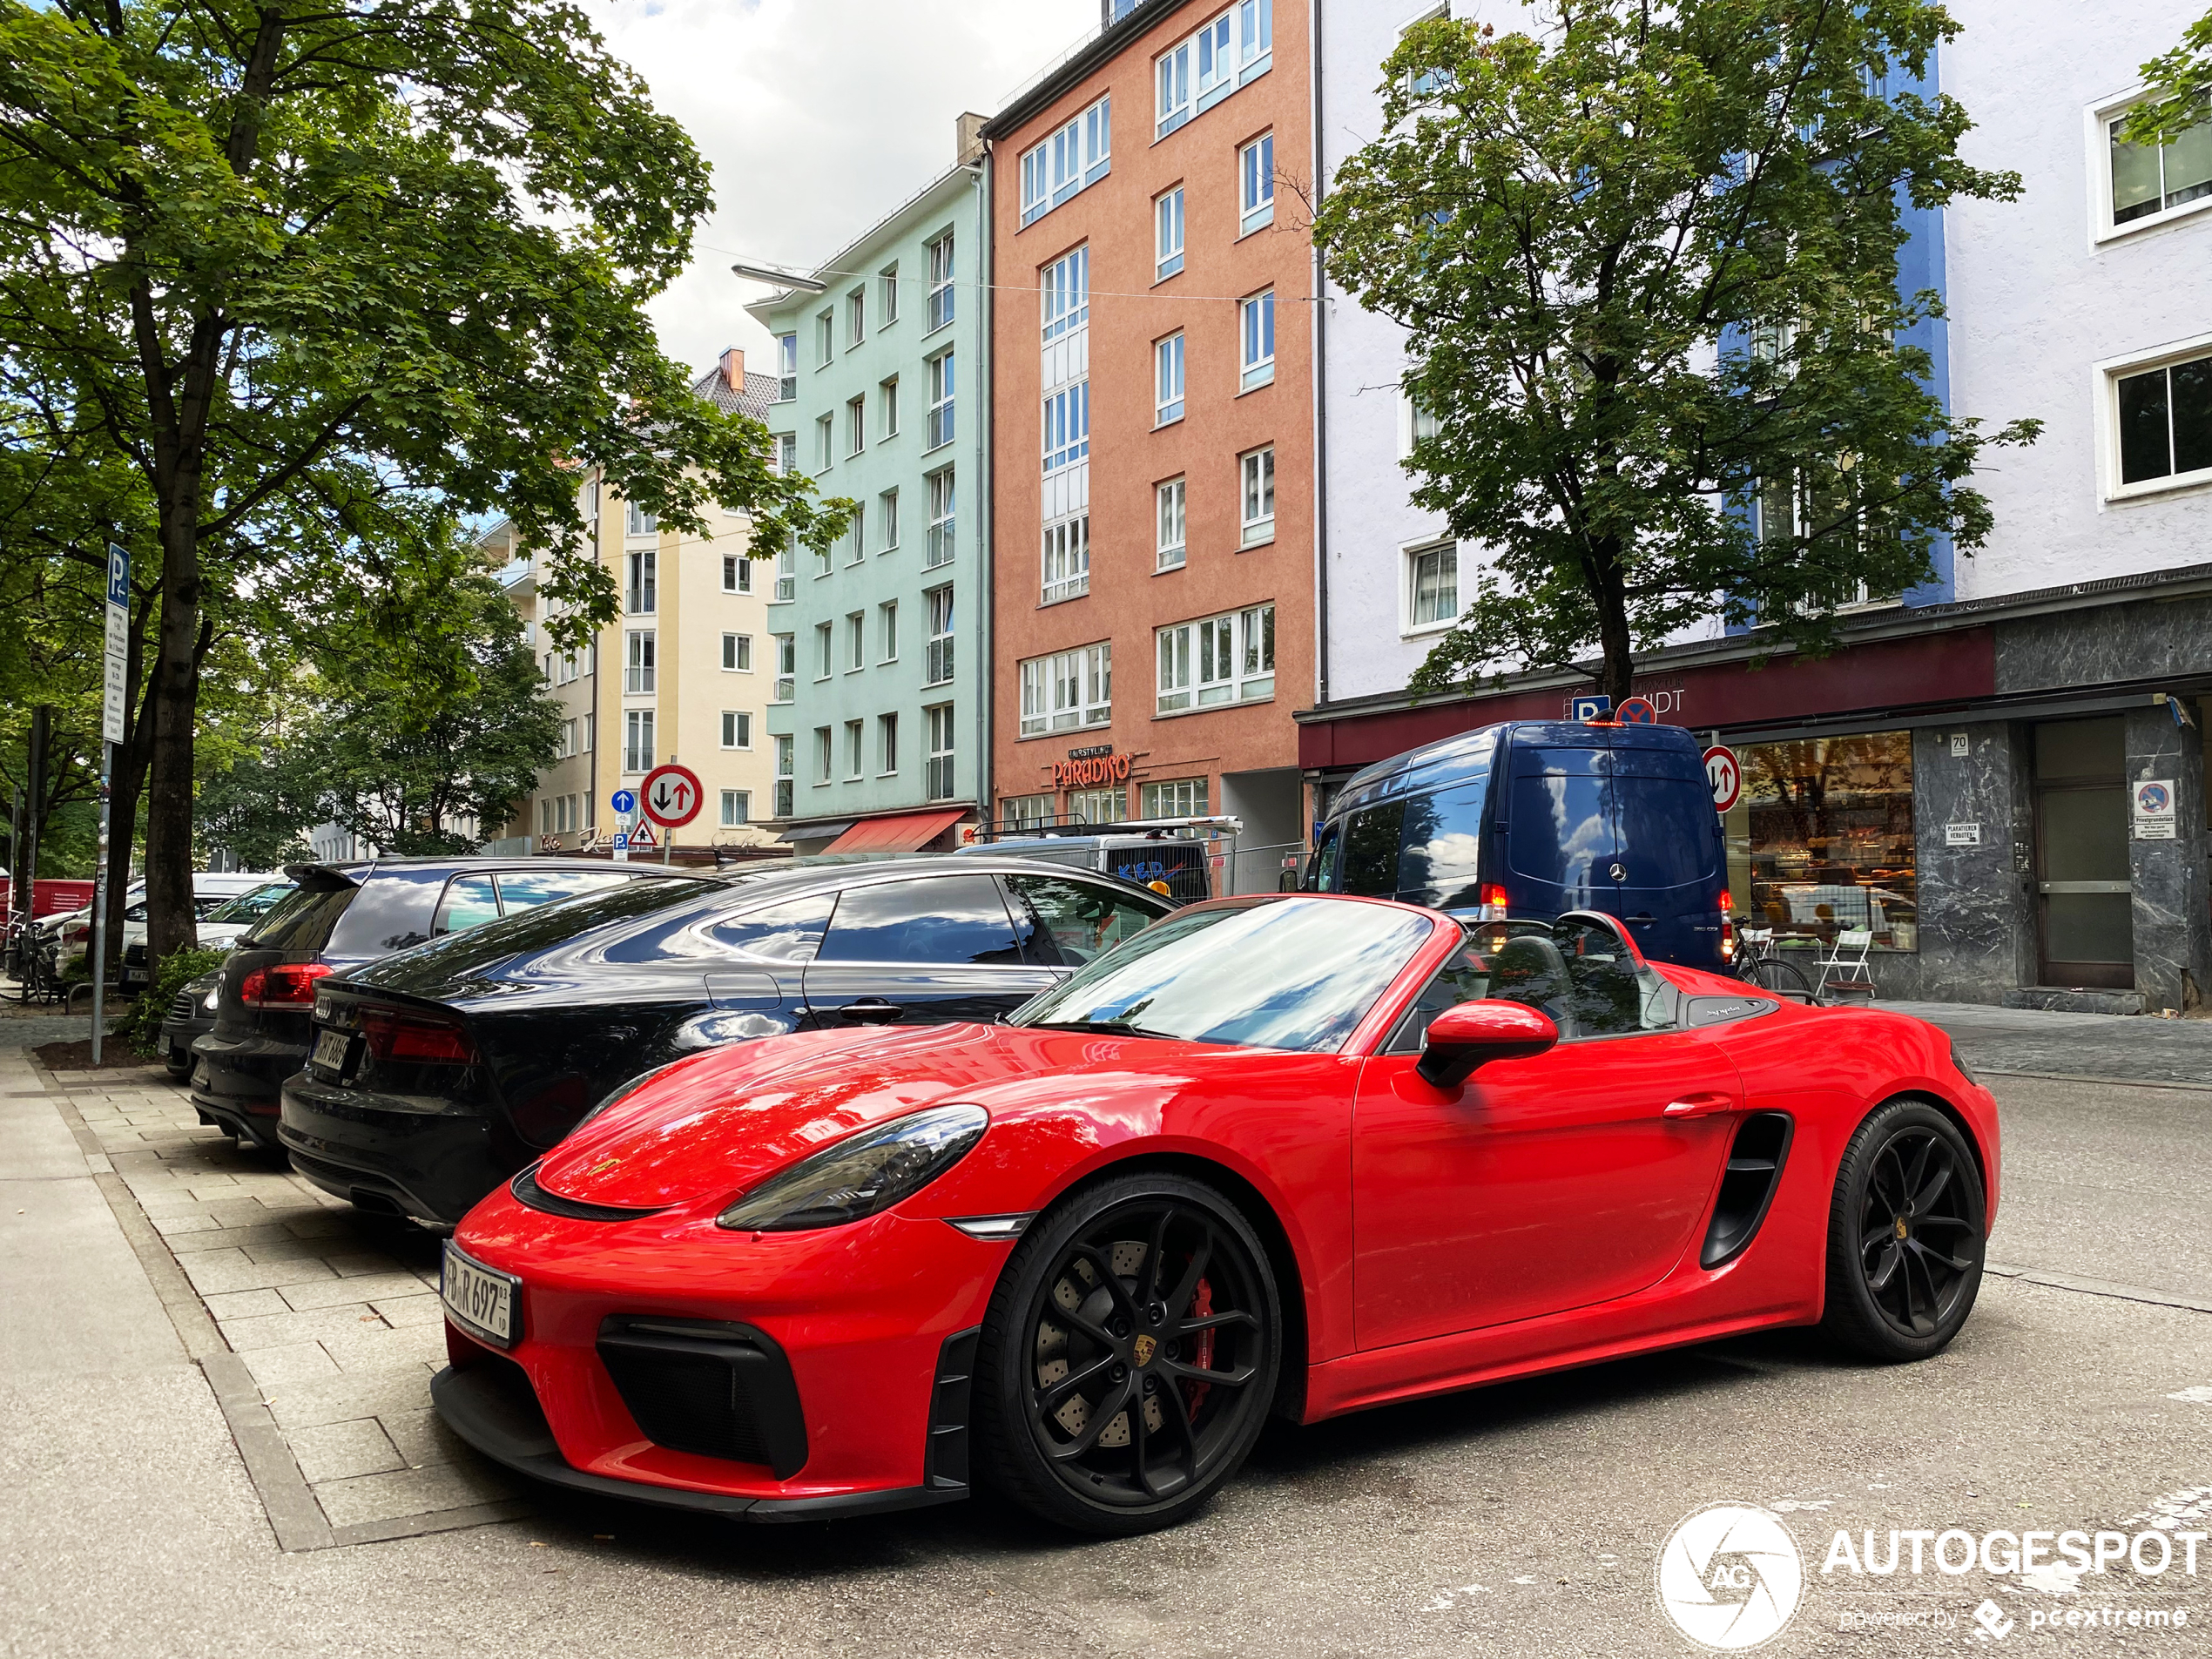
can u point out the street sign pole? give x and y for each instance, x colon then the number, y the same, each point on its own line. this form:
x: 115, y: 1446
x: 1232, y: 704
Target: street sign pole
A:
x: 116, y: 689
x: 668, y: 841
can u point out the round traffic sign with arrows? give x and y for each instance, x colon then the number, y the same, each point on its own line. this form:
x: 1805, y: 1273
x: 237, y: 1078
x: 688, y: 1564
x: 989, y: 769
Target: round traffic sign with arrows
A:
x: 672, y: 795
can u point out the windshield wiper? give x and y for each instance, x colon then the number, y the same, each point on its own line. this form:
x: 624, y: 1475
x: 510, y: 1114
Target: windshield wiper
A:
x: 1113, y: 1027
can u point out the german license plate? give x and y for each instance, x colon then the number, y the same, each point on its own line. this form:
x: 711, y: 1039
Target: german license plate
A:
x: 484, y: 1301
x: 330, y: 1049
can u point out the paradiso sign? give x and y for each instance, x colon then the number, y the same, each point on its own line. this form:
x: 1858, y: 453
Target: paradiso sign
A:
x: 1085, y: 767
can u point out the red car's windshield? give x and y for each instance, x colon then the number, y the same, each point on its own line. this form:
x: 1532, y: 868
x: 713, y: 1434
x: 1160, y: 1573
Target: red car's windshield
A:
x: 1297, y: 974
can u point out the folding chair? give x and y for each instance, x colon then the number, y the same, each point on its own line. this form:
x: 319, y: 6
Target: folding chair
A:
x: 1844, y: 965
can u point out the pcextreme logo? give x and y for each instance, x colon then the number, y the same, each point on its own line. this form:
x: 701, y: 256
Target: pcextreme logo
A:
x: 1731, y: 1576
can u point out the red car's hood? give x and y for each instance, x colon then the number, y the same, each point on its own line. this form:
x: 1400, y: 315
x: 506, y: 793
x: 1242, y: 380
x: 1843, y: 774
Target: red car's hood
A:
x: 719, y: 1123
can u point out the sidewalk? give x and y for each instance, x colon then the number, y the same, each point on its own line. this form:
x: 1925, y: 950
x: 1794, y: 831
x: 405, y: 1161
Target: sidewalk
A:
x: 2105, y: 1047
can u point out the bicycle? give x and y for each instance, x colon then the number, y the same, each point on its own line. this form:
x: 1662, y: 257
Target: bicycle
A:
x: 1757, y: 962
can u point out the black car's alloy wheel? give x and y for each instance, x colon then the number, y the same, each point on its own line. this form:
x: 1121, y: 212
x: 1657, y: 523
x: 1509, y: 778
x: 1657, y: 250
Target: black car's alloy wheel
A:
x: 1129, y: 1356
x: 1904, y: 1237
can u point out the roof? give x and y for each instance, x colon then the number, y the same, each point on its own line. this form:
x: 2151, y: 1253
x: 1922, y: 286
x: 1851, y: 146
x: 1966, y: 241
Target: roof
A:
x: 759, y: 392
x: 1076, y: 62
x: 834, y: 270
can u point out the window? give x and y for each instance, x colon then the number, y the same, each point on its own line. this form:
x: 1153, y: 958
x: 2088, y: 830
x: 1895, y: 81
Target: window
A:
x: 736, y: 573
x: 1167, y: 235
x: 945, y: 920
x: 937, y: 783
x: 1078, y: 154
x: 783, y: 933
x: 1068, y: 690
x: 737, y: 653
x: 787, y: 453
x: 824, y: 659
x: 856, y: 538
x: 637, y: 662
x: 823, y: 757
x: 1216, y: 62
x: 1230, y: 51
x: 787, y: 667
x: 2164, y: 423
x: 1172, y: 98
x: 1067, y: 425
x: 1067, y: 559
x: 887, y: 393
x: 1177, y: 798
x: 787, y: 571
x: 1821, y: 839
x: 1428, y: 80
x: 737, y: 805
x: 786, y: 367
x: 937, y: 654
x: 1258, y: 470
x: 853, y: 734
x: 856, y: 424
x: 825, y: 441
x: 886, y: 295
x: 1220, y: 660
x: 469, y: 902
x: 886, y: 513
x: 568, y: 739
x: 1167, y: 555
x: 1254, y: 38
x: 888, y: 626
x: 887, y: 745
x: 1080, y: 921
x: 1024, y: 812
x: 940, y: 303
x: 1166, y: 380
x: 1432, y: 586
x: 1097, y: 805
x: 856, y: 318
x: 940, y: 551
x: 637, y: 740
x: 825, y: 338
x: 856, y: 640
x: 1420, y: 425
x: 1814, y: 509
x: 1255, y: 196
x: 784, y: 802
x: 1255, y: 320
x: 1063, y: 293
x: 941, y: 401
x: 590, y: 730
x: 737, y: 729
x: 637, y: 592
x: 637, y: 521
x: 2150, y: 180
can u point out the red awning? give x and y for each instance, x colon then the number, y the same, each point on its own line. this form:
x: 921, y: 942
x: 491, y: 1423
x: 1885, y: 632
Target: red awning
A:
x: 902, y: 834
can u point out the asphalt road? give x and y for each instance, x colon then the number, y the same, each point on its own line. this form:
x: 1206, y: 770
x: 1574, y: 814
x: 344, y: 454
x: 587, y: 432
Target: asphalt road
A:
x: 1525, y: 1519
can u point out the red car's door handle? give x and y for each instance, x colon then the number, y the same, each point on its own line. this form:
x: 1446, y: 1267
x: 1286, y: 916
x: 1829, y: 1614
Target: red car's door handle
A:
x: 1699, y: 1105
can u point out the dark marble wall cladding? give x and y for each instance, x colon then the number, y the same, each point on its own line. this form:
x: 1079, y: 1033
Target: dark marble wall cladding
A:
x: 1976, y: 912
x: 2173, y: 899
x: 2128, y: 642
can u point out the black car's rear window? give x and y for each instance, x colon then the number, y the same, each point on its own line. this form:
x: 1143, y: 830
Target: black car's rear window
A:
x: 537, y: 928
x: 304, y: 919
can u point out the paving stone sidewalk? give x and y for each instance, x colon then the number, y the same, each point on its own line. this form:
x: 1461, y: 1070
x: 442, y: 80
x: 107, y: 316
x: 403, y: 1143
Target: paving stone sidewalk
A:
x: 334, y: 1314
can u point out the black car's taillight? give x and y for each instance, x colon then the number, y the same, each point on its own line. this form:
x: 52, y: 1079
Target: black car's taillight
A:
x: 289, y: 986
x: 416, y: 1039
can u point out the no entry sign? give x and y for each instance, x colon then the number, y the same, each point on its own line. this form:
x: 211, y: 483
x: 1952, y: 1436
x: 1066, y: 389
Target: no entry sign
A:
x: 672, y: 795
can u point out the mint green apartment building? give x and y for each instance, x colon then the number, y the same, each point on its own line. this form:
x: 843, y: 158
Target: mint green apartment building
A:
x: 879, y: 646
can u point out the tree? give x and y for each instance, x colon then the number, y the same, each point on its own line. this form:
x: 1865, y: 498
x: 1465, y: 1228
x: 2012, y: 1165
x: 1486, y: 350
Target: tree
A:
x: 2177, y: 86
x: 294, y: 260
x: 1647, y: 265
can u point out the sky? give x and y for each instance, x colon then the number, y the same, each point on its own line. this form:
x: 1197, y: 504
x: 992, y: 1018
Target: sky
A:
x: 818, y: 116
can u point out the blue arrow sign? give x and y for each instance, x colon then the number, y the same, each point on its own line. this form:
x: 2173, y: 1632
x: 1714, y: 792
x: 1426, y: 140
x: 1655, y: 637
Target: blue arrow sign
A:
x: 623, y: 800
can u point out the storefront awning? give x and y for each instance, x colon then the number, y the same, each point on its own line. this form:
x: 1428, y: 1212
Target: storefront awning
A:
x: 816, y: 831
x: 904, y: 833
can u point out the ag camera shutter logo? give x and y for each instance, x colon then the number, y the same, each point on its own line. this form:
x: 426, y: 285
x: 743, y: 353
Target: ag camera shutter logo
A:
x: 1730, y: 1577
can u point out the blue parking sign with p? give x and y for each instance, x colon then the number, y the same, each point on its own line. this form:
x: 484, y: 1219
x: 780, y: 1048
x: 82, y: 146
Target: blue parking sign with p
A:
x: 1591, y: 706
x: 118, y: 576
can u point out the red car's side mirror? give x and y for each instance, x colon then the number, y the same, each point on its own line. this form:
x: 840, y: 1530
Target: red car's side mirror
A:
x: 1462, y: 1038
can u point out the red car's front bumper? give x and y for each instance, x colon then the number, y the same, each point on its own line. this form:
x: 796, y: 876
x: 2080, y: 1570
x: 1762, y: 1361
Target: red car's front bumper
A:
x: 827, y: 1371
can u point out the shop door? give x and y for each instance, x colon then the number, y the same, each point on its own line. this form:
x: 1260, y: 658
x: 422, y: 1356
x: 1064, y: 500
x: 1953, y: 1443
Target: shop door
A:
x: 2085, y: 933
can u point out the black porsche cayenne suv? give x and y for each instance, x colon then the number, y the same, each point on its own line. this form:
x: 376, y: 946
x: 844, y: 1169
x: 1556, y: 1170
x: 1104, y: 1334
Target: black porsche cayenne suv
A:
x: 437, y: 1073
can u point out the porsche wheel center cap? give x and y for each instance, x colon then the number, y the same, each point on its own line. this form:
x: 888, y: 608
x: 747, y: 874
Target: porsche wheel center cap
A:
x: 1145, y: 1346
x: 1903, y: 1231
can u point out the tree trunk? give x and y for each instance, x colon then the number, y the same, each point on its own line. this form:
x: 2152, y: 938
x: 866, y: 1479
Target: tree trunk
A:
x: 170, y: 924
x: 1607, y: 588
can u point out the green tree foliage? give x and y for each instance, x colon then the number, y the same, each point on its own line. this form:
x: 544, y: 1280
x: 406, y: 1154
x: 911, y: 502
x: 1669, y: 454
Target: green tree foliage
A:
x: 2178, y: 88
x: 1646, y: 262
x: 293, y: 262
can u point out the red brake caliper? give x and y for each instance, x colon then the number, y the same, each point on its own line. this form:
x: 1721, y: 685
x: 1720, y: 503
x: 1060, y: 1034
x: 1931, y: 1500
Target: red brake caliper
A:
x: 1201, y: 1305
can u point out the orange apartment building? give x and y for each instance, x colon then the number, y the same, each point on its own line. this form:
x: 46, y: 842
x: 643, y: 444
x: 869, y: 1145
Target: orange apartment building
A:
x: 1152, y: 451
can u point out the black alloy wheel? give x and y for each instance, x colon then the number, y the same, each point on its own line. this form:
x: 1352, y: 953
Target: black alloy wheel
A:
x: 1128, y: 1358
x: 1905, y: 1235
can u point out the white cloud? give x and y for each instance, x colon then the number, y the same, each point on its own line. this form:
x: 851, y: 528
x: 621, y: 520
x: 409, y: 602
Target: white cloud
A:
x: 819, y: 117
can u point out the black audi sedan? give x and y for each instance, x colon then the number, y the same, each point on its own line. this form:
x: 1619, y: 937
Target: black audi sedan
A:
x: 438, y: 1073
x: 339, y: 916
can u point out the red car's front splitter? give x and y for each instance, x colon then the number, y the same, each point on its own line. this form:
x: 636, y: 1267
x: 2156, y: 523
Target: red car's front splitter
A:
x: 778, y: 1377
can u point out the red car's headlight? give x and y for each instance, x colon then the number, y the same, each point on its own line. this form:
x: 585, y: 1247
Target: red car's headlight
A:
x: 861, y: 1175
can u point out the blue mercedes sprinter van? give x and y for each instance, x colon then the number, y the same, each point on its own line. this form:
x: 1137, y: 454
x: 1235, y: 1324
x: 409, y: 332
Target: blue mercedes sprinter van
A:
x: 1538, y: 817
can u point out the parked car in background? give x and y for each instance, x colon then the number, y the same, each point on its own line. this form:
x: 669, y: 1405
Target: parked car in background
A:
x: 191, y: 1016
x: 439, y: 1073
x: 1536, y: 819
x: 219, y: 926
x: 340, y: 916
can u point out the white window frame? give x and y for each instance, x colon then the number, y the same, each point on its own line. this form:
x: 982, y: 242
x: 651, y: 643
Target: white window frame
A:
x: 2108, y: 375
x: 856, y: 424
x: 1065, y: 559
x: 1063, y: 293
x: 938, y: 614
x: 944, y: 383
x: 1410, y: 561
x: 1256, y: 184
x: 1256, y: 497
x: 1065, y: 422
x: 1067, y: 161
x: 857, y: 537
x: 788, y: 572
x: 825, y: 442
x: 886, y: 744
x: 886, y: 617
x: 637, y: 741
x: 1216, y: 662
x: 787, y: 450
x: 825, y: 650
x: 856, y: 741
x: 825, y: 338
x: 1166, y: 380
x: 641, y: 584
x: 1256, y: 341
x: 856, y: 317
x: 856, y: 641
x: 1168, y: 230
x: 1171, y: 520
x: 737, y: 653
x: 1172, y: 102
x: 944, y: 517
x: 786, y: 688
x: 640, y: 662
x: 887, y: 391
x: 736, y: 808
x: 939, y: 779
x: 887, y: 509
x: 1174, y: 798
x: 1068, y: 690
x: 940, y: 305
x: 1025, y: 812
x: 2099, y: 117
x: 824, y: 755
x: 786, y: 766
x: 1108, y: 805
x: 736, y: 573
x: 786, y: 367
x: 737, y: 729
x: 886, y: 295
x: 1410, y: 417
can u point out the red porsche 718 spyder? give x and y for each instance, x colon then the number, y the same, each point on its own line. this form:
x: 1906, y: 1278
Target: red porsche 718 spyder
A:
x: 1298, y: 1154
